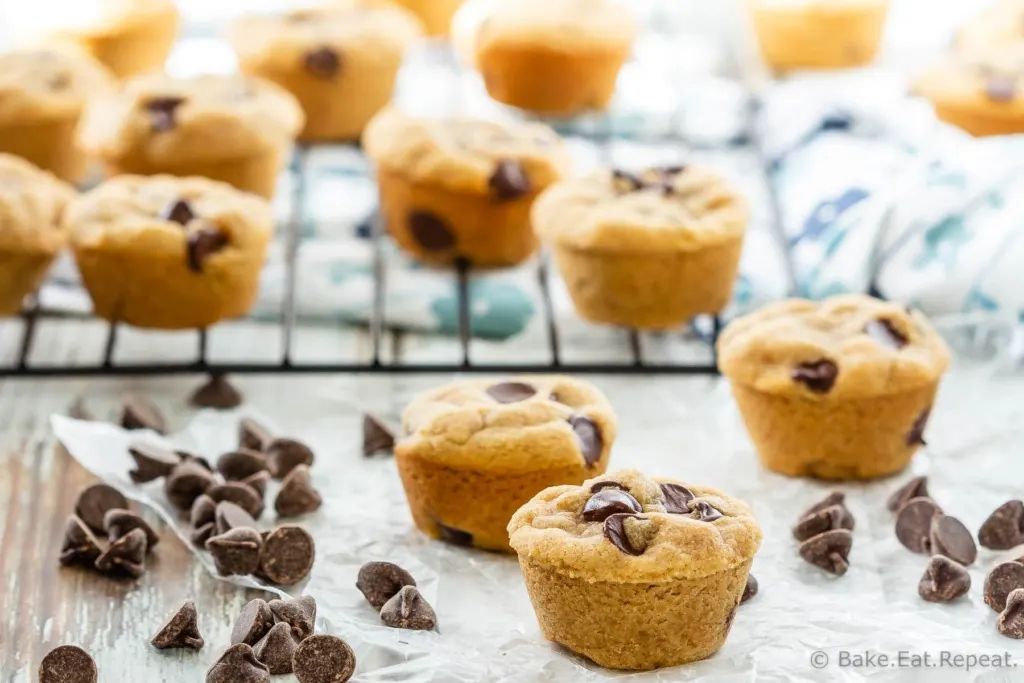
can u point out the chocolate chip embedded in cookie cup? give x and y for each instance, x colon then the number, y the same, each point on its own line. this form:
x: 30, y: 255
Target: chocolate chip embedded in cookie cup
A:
x: 474, y: 451
x: 169, y: 253
x: 649, y: 250
x: 462, y: 188
x: 660, y: 564
x: 839, y: 389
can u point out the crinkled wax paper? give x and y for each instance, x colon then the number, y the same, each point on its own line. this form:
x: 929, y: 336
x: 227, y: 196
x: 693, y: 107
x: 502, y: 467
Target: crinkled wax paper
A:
x: 682, y: 427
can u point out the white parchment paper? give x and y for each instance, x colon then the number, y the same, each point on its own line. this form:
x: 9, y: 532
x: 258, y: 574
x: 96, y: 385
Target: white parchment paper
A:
x: 682, y: 427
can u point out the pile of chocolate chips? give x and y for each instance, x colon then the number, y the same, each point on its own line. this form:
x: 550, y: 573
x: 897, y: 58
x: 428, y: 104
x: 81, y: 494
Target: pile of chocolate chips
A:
x: 825, y: 533
x: 392, y: 591
x: 101, y: 512
x: 1004, y: 585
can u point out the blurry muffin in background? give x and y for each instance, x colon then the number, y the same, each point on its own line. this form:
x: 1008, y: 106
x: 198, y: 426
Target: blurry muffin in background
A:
x: 1000, y: 24
x: 818, y: 34
x: 339, y: 60
x: 235, y: 129
x: 436, y: 15
x: 43, y: 92
x: 553, y: 57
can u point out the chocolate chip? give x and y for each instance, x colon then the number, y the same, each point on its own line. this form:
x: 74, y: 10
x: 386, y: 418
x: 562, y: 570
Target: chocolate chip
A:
x: 288, y: 555
x: 217, y: 393
x: 79, y: 546
x: 509, y: 180
x: 377, y: 438
x: 454, y: 536
x: 624, y: 181
x: 119, y: 522
x: 828, y: 519
x: 94, y: 502
x: 284, y: 455
x: 944, y: 580
x: 201, y: 534
x: 915, y: 488
x: 300, y: 614
x: 1011, y: 621
x: 258, y: 482
x: 324, y: 659
x: 511, y: 392
x: 608, y: 502
x: 1001, y: 88
x: 1001, y: 581
x: 188, y: 457
x: 381, y: 581
x: 187, y: 481
x: 253, y: 623
x: 162, y: 112
x: 125, y: 556
x: 829, y: 551
x: 1004, y: 528
x: 236, y: 552
x: 202, y: 512
x: 677, y: 498
x: 588, y: 435
x: 202, y: 244
x: 750, y: 590
x: 704, y: 511
x: 431, y: 232
x: 322, y: 62
x: 277, y: 649
x: 615, y: 531
x: 408, y: 609
x: 230, y: 516
x: 179, y: 211
x: 885, y: 333
x: 915, y: 437
x: 238, y: 465
x: 241, y: 495
x: 951, y: 538
x: 914, y: 524
x: 182, y: 631
x: 252, y: 435
x: 67, y: 664
x: 818, y: 376
x: 594, y: 488
x: 138, y: 412
x: 238, y: 664
x: 833, y: 498
x: 151, y: 463
x: 297, y: 495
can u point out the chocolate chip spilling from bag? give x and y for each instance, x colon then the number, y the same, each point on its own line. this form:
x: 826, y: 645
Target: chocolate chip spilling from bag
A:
x: 288, y: 554
x: 299, y: 614
x: 253, y: 623
x: 151, y: 463
x: 181, y: 631
x: 381, y: 581
x: 944, y: 580
x: 241, y: 495
x: 253, y: 436
x: 408, y: 609
x: 297, y: 495
x: 126, y: 556
x: 119, y: 523
x: 277, y: 649
x: 238, y: 664
x: 187, y: 481
x: 236, y: 552
x: 237, y: 465
x: 284, y: 455
x: 324, y: 659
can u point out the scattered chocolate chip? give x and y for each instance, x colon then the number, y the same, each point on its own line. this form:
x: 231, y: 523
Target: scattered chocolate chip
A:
x: 829, y: 551
x: 1004, y: 528
x: 151, y: 463
x: 324, y: 659
x: 277, y: 649
x: 236, y: 552
x: 201, y: 534
x: 914, y: 524
x: 624, y: 181
x: 241, y: 495
x: 162, y: 112
x: 202, y: 244
x: 217, y: 393
x: 833, y: 498
x: 252, y: 435
x: 238, y: 664
x: 182, y: 631
x: 179, y: 211
x: 202, y: 512
x: 608, y: 502
x: 750, y: 590
x: 258, y: 482
x: 119, y: 522
x: 1001, y: 581
x: 677, y: 498
x: 377, y: 438
x: 322, y: 62
x: 454, y: 536
x: 125, y: 556
x: 1011, y: 621
x: 253, y: 623
x: 431, y: 232
x: 1001, y: 87
x: 187, y: 481
x: 297, y: 495
x: 408, y: 609
x: 915, y: 488
x: 915, y: 437
x: 615, y: 531
x: 138, y: 412
x: 944, y: 580
x: 94, y: 502
x: 284, y: 455
x: 228, y: 516
x: 509, y: 180
x: 588, y: 435
x: 67, y: 664
x: 79, y: 546
x: 511, y: 392
x: 288, y: 555
x: 238, y: 465
x: 601, y: 485
x: 885, y: 333
x: 300, y: 614
x: 818, y: 376
x: 704, y: 511
x: 828, y: 519
x: 951, y: 538
x: 187, y: 457
x: 381, y: 581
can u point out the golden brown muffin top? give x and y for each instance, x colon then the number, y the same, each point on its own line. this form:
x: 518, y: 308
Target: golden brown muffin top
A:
x: 45, y: 84
x: 849, y: 346
x: 171, y: 120
x: 469, y: 155
x: 569, y: 24
x: 679, y: 208
x: 519, y: 425
x: 990, y: 80
x: 32, y: 202
x: 626, y: 527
